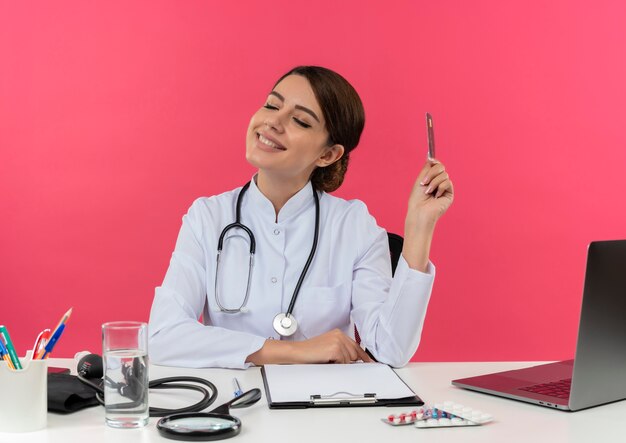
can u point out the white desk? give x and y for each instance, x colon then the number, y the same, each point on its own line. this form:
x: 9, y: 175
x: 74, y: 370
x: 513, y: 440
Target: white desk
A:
x: 514, y: 421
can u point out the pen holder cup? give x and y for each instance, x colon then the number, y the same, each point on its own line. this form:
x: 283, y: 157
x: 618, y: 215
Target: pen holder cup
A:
x: 24, y: 405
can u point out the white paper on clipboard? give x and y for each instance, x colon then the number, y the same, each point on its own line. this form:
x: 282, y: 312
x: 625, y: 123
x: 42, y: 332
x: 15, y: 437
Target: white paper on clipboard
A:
x: 297, y: 383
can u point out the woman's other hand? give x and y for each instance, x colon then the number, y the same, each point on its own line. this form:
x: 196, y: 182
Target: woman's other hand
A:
x: 430, y: 198
x: 432, y: 193
x: 331, y: 347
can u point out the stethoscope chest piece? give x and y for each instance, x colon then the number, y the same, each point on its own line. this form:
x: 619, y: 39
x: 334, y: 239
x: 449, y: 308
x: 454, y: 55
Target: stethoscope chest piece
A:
x: 285, y: 324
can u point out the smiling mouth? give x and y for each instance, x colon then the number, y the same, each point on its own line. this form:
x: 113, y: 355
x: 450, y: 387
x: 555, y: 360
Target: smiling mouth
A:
x: 269, y: 143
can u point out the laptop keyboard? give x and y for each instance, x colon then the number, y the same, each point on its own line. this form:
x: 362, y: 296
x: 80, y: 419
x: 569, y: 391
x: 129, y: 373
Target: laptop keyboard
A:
x: 559, y: 389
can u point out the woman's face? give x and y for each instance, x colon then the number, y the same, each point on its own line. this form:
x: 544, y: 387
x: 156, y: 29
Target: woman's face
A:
x: 287, y: 137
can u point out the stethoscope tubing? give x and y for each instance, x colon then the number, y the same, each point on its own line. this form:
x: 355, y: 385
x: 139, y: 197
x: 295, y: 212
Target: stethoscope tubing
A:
x: 220, y: 244
x: 181, y: 382
x: 309, y: 259
x: 241, y: 307
x: 285, y: 331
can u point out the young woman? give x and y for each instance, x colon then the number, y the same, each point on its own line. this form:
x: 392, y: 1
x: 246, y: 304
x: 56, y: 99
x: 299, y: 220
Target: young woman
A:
x: 320, y: 263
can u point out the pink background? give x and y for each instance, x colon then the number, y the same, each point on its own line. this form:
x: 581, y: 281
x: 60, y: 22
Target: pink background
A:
x: 115, y: 116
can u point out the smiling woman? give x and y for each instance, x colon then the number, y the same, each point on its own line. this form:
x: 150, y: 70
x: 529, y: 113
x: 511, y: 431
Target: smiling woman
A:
x: 297, y: 113
x: 321, y: 263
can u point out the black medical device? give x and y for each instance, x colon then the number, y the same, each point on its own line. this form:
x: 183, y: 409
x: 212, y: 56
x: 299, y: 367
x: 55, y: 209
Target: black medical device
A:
x: 188, y: 424
x: 90, y: 373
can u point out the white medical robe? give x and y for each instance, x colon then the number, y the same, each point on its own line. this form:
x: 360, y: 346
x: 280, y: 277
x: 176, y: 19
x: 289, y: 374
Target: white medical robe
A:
x: 349, y: 282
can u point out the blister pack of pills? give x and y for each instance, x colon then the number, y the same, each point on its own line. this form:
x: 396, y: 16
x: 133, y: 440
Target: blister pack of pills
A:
x: 441, y: 415
x: 406, y: 418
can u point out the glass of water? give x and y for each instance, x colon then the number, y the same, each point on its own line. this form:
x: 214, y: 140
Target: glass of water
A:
x: 125, y: 349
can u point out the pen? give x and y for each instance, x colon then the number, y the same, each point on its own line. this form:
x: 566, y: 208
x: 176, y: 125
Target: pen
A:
x: 63, y: 320
x: 10, y: 348
x: 40, y: 353
x: 40, y: 342
x: 238, y: 390
x: 4, y: 354
x: 53, y: 341
x: 431, y: 136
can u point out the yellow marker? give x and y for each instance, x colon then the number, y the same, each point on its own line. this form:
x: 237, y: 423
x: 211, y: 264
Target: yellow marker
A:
x: 9, y: 362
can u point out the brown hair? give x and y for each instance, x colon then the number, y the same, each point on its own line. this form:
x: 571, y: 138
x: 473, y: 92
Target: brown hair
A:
x: 344, y: 116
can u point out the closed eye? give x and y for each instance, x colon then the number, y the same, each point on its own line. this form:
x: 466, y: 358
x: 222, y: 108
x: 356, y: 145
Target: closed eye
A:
x: 301, y: 123
x: 297, y: 120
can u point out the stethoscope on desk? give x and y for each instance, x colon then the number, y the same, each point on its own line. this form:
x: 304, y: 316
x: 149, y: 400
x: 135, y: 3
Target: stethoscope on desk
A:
x: 188, y: 424
x: 284, y: 323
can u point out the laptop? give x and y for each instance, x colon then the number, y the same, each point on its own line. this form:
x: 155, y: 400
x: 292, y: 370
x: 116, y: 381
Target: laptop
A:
x: 597, y: 375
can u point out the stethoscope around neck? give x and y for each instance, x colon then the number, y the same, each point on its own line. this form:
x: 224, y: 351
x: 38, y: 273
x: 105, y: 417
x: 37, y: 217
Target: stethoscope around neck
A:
x: 284, y: 323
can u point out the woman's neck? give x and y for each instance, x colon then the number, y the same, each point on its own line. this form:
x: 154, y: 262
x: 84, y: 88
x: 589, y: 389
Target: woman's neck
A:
x: 278, y: 190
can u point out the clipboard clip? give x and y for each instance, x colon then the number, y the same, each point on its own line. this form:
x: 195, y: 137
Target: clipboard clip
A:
x: 343, y: 398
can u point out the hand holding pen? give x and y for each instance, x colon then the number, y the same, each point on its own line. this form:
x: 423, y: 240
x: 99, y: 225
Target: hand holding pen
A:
x: 430, y: 198
x: 433, y: 192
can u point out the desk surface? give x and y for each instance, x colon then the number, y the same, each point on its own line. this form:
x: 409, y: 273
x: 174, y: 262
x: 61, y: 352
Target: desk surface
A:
x: 514, y: 421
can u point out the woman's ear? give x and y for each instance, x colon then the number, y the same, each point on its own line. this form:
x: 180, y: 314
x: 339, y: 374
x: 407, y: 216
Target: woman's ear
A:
x: 330, y: 155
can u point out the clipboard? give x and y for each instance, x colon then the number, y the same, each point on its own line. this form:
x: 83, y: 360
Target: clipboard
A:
x: 335, y: 385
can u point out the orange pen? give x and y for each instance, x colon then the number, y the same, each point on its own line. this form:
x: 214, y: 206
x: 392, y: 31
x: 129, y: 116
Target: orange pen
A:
x: 4, y: 352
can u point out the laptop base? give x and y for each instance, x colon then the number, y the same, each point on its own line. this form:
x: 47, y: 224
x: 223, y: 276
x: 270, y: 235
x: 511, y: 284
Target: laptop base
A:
x: 508, y: 384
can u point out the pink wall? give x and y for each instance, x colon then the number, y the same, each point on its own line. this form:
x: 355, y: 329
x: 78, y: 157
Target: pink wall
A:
x: 115, y: 116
